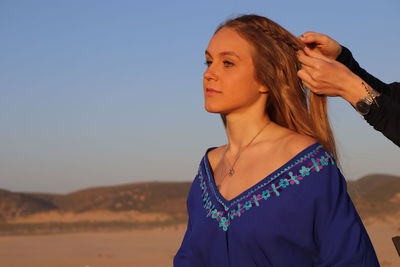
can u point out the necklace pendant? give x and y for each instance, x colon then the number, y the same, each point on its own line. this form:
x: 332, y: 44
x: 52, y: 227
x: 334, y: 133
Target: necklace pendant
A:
x: 231, y: 172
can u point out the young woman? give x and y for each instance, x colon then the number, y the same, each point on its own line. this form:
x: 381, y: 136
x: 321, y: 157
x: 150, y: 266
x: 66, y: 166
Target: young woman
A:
x: 273, y: 195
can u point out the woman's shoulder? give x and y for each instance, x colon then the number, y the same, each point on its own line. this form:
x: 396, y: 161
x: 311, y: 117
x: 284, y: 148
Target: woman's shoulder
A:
x: 214, y: 154
x: 310, y: 158
x: 293, y: 143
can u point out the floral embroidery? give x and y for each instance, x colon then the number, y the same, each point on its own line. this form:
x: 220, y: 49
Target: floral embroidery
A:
x: 311, y: 162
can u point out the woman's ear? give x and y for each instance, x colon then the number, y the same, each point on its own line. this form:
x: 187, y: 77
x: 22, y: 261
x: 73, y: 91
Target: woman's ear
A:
x: 263, y: 90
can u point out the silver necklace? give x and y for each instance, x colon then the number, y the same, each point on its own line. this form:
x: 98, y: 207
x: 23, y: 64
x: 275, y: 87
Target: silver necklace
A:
x: 231, y: 171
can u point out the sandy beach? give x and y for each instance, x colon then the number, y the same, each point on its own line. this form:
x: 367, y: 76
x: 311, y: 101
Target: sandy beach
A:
x: 140, y: 248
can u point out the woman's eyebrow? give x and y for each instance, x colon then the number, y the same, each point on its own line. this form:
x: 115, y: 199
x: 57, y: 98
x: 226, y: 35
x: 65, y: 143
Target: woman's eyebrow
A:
x: 229, y: 53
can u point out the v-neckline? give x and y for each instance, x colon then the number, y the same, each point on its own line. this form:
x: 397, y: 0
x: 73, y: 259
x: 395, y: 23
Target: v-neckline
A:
x: 228, y: 203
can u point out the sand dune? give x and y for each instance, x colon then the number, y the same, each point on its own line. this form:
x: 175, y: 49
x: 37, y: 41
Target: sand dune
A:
x: 115, y: 226
x: 139, y: 248
x: 142, y: 248
x: 91, y: 216
x: 381, y: 232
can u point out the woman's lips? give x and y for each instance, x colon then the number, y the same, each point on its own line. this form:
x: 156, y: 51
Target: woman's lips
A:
x: 211, y: 91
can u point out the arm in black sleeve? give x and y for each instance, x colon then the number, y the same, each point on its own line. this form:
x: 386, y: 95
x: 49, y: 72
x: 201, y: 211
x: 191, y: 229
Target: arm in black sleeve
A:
x: 386, y: 116
x: 347, y: 59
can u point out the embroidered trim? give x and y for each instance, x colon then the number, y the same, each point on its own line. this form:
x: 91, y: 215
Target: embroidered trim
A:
x: 292, y: 177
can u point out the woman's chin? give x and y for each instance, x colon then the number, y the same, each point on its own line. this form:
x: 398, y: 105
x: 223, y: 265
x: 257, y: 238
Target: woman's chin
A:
x: 211, y: 109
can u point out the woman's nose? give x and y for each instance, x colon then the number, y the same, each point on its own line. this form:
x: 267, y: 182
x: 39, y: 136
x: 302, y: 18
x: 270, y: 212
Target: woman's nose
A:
x: 209, y: 74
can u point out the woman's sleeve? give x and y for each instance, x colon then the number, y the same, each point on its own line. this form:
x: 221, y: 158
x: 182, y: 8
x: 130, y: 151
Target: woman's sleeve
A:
x: 340, y: 233
x: 183, y: 256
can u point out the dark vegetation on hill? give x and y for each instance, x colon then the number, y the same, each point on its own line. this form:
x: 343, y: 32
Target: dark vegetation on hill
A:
x: 373, y: 195
x: 376, y: 195
x: 166, y: 197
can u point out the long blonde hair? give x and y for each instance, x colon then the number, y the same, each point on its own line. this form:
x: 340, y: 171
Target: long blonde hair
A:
x: 289, y: 103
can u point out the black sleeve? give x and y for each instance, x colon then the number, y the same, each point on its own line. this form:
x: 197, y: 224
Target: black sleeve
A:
x: 346, y: 58
x: 385, y: 117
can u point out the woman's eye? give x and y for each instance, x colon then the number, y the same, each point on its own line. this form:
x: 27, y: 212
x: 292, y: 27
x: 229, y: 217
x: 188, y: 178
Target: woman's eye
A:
x: 228, y: 63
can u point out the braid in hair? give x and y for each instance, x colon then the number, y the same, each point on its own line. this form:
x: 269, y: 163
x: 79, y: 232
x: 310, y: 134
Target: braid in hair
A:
x: 293, y: 45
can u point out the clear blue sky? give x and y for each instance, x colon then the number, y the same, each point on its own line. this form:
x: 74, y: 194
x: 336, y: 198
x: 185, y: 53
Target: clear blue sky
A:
x: 109, y: 92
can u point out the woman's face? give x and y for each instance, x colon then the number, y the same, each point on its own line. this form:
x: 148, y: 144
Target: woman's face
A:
x: 229, y: 81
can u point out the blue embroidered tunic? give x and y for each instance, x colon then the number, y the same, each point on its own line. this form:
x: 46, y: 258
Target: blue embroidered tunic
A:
x: 299, y: 215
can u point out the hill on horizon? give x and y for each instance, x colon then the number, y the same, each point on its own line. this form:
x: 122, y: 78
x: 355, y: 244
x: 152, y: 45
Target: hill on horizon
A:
x: 155, y: 196
x: 164, y: 203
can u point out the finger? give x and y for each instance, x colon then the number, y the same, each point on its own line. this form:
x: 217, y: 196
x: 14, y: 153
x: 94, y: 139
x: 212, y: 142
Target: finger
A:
x: 308, y: 80
x: 314, y: 37
x: 309, y: 37
x: 312, y: 88
x: 305, y: 77
x: 307, y: 60
x: 312, y: 53
x: 307, y: 33
x: 308, y: 69
x: 309, y: 87
x: 304, y: 35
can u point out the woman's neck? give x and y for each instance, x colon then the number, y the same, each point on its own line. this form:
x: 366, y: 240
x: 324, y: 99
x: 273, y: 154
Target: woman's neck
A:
x: 242, y: 128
